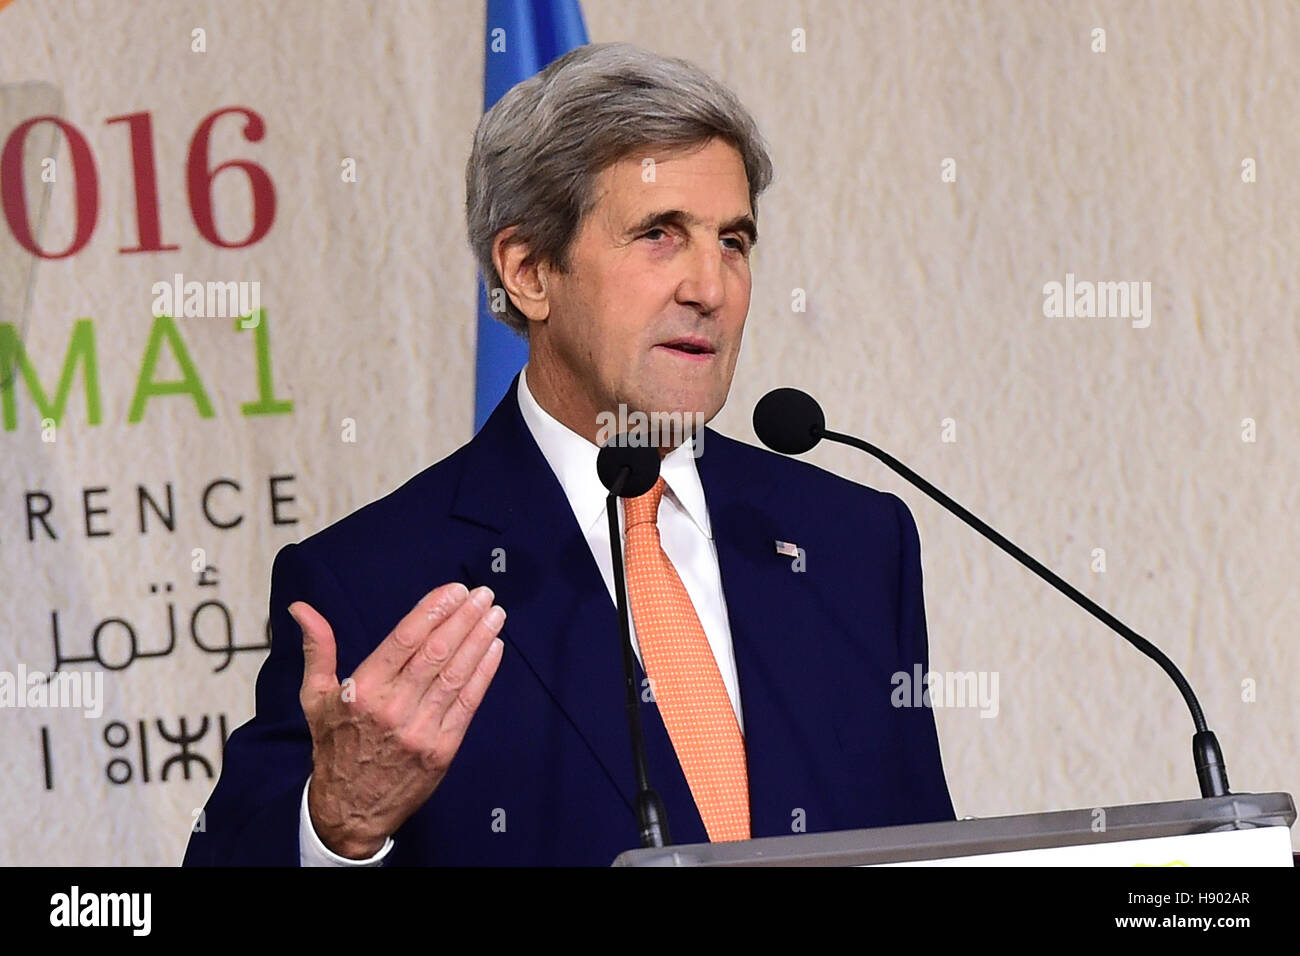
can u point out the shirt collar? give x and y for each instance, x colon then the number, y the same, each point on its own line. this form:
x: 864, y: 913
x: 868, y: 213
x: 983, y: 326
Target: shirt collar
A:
x: 573, y: 459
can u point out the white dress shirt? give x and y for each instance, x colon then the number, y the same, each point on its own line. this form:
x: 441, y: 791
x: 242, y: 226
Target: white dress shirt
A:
x: 684, y: 533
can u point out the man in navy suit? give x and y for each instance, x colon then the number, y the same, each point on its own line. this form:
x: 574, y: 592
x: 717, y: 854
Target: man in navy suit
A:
x: 451, y: 692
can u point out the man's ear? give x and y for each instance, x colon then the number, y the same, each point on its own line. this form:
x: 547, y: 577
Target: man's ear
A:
x: 522, y: 275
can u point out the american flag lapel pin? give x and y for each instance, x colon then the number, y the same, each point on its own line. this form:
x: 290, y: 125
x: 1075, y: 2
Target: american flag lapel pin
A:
x: 787, y: 549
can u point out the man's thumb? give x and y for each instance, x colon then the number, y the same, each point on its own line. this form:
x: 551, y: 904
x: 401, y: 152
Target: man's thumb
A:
x: 318, y: 652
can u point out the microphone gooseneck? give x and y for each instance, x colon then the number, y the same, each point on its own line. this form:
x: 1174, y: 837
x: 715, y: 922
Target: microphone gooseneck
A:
x: 629, y: 471
x: 792, y: 422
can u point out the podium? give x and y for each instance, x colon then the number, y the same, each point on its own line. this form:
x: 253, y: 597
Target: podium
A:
x: 1244, y: 829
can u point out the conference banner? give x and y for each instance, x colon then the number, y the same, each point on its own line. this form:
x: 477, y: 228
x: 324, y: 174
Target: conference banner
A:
x: 224, y: 322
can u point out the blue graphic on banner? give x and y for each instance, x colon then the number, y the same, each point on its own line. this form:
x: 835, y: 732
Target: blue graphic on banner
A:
x: 536, y: 32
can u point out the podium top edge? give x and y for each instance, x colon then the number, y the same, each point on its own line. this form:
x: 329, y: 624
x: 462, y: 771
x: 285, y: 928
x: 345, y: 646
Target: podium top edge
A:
x: 948, y: 838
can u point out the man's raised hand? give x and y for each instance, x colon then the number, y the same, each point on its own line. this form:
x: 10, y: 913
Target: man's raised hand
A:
x: 383, y: 739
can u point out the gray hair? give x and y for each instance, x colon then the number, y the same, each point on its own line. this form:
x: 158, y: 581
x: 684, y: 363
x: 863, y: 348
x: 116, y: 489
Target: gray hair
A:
x: 538, y: 151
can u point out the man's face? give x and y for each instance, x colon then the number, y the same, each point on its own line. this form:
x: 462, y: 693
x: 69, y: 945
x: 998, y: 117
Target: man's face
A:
x: 651, y: 311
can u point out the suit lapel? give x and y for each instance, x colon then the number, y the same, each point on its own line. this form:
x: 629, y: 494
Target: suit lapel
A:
x: 781, y: 671
x: 560, y: 619
x: 564, y: 627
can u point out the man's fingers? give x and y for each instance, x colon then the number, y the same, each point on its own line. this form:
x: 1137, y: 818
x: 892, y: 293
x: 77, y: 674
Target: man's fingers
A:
x: 388, y: 659
x: 450, y: 681
x: 453, y: 718
x: 319, y: 663
x: 443, y: 648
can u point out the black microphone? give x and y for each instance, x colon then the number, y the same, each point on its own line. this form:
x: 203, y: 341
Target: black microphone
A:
x: 791, y: 422
x: 629, y: 471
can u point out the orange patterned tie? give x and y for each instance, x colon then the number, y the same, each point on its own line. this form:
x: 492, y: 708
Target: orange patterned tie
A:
x: 684, y: 675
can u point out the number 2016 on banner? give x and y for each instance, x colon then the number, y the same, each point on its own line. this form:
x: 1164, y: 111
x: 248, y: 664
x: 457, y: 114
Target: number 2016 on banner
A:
x: 199, y: 179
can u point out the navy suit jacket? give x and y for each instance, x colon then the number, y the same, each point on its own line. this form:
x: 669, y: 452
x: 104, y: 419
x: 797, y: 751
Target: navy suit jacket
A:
x: 544, y: 774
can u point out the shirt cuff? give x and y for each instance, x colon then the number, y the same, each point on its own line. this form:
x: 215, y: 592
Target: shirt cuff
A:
x: 312, y: 852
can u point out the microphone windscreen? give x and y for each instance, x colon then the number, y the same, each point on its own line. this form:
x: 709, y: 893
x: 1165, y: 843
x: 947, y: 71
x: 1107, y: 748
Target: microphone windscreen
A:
x: 789, y: 421
x: 641, y: 461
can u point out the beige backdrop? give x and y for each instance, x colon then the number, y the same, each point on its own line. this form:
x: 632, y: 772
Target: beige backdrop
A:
x: 924, y: 303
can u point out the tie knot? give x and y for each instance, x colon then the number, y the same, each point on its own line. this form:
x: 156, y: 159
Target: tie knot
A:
x: 645, y: 508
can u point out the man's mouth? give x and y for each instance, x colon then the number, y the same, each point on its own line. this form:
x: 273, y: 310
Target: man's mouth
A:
x: 691, y: 347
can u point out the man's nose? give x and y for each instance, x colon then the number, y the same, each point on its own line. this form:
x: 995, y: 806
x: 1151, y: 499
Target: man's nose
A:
x: 703, y: 287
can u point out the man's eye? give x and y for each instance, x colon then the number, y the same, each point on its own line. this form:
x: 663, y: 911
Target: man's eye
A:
x: 740, y: 245
x: 651, y: 233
